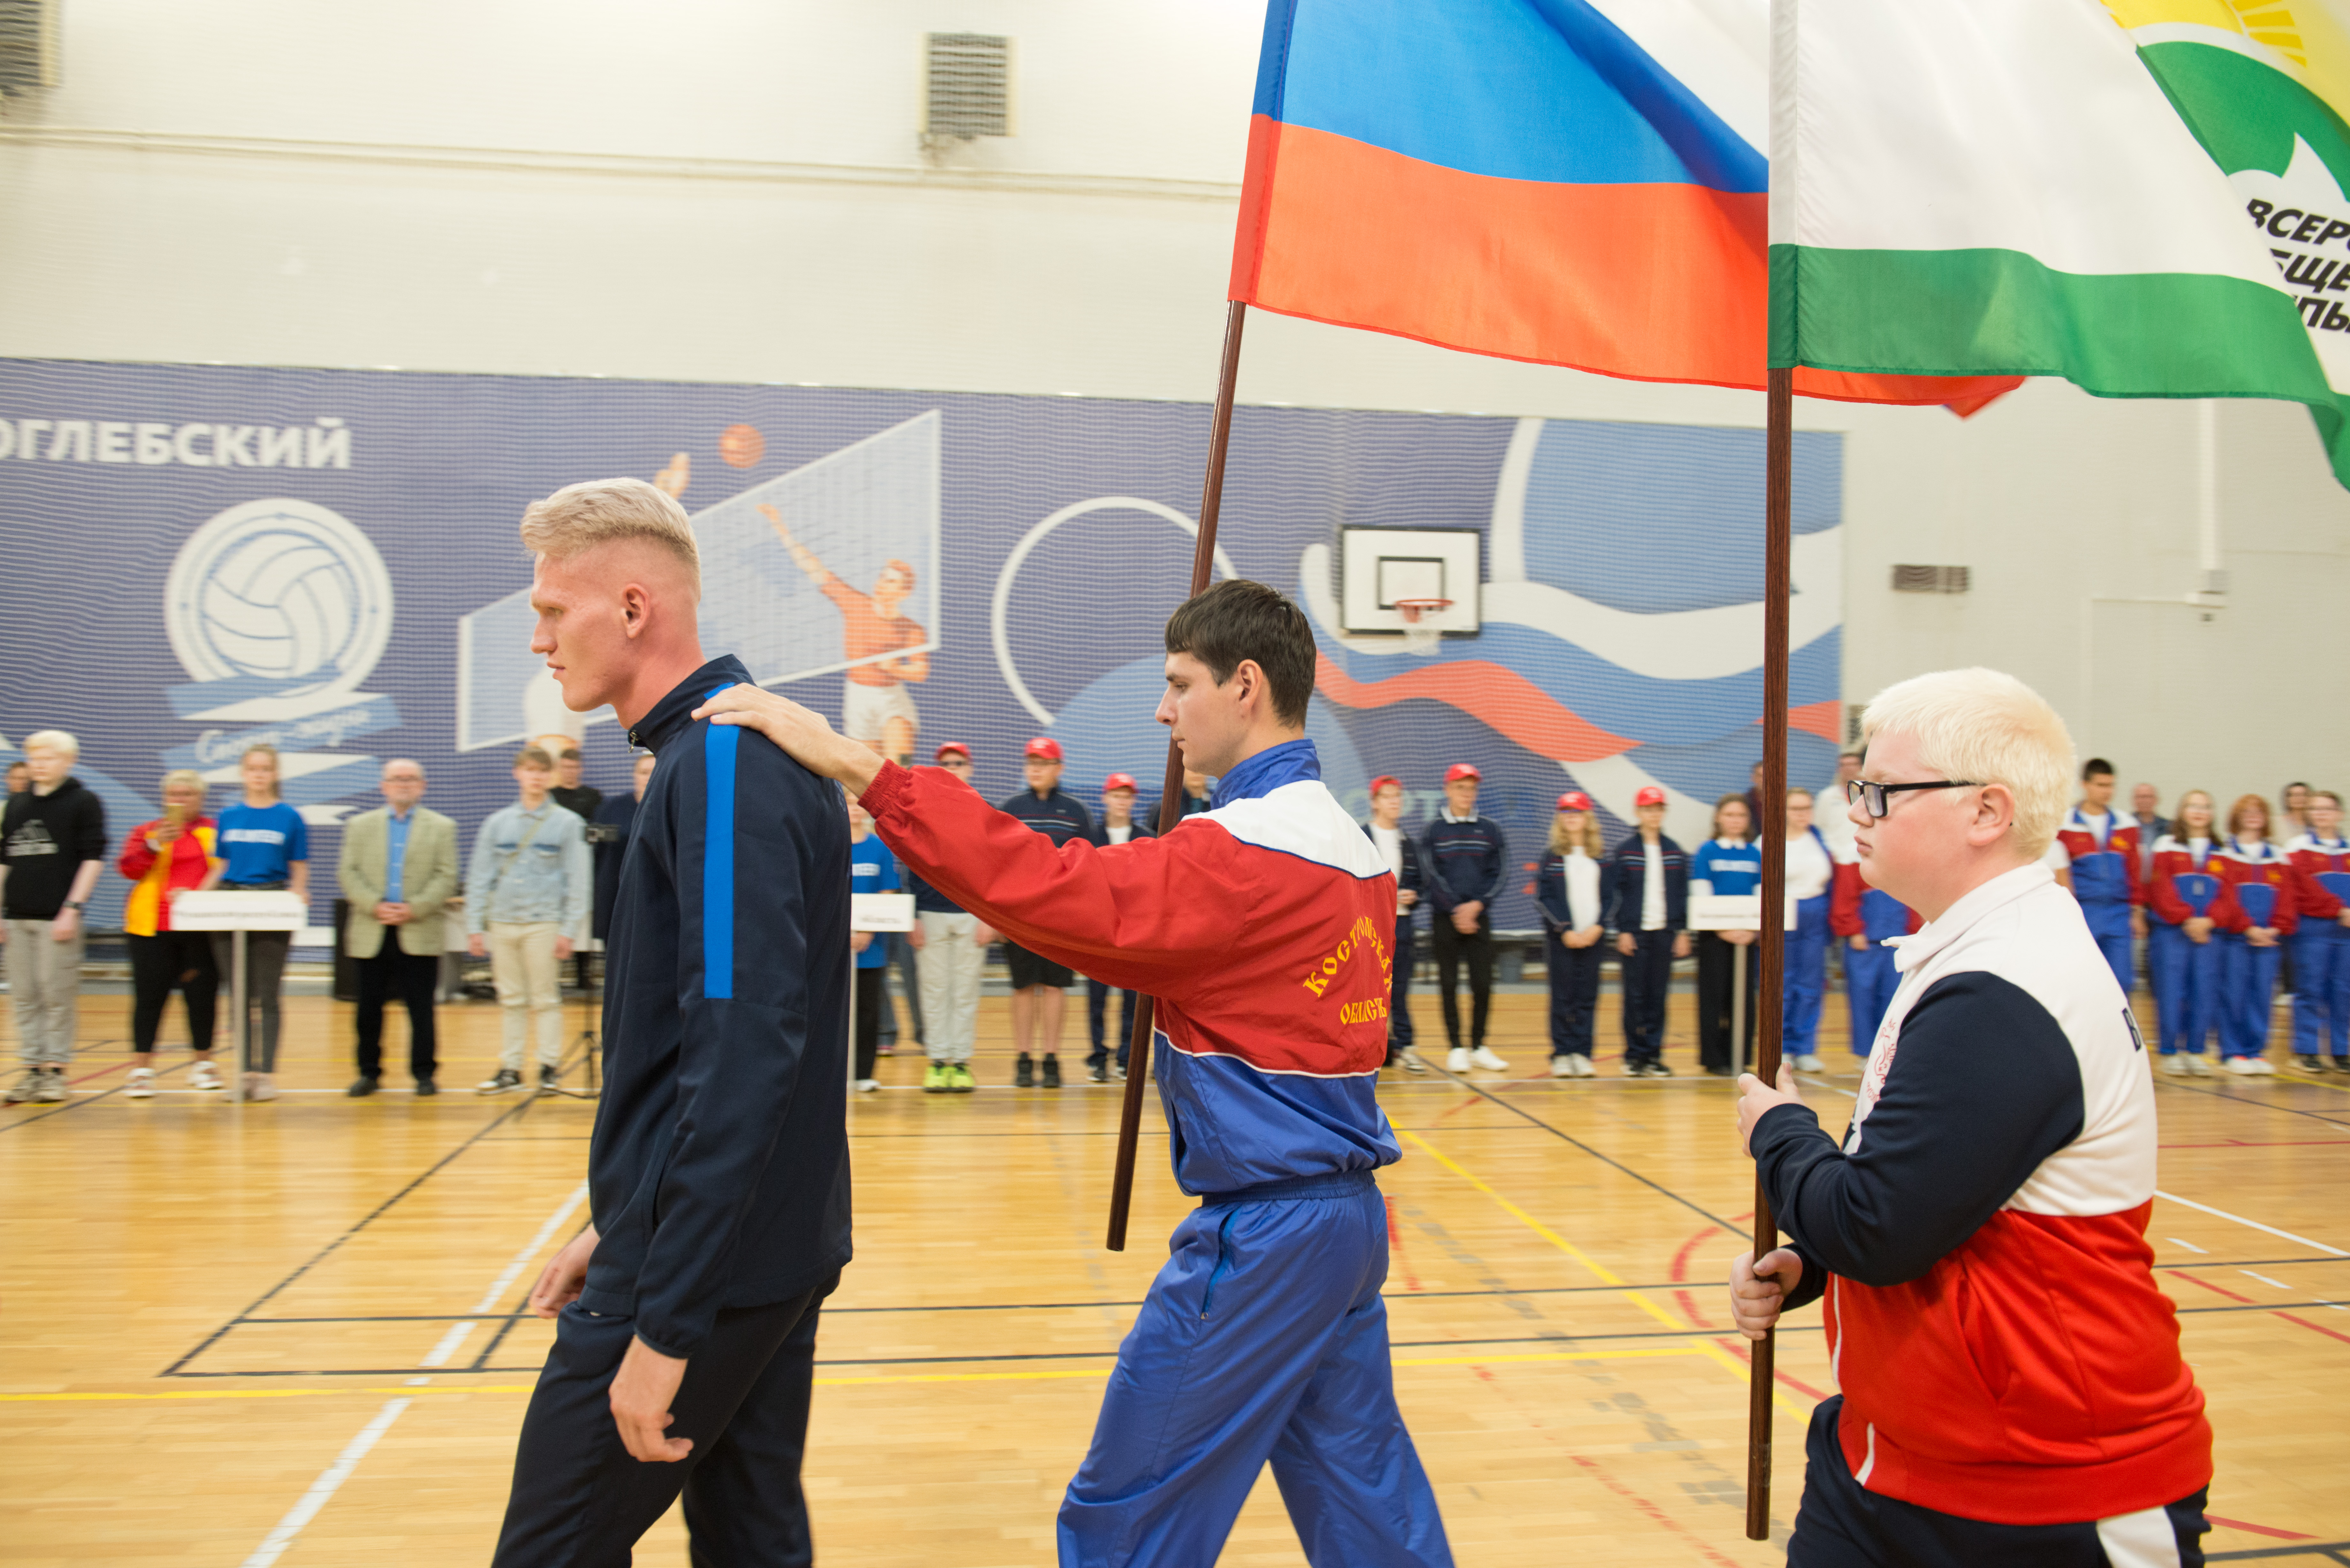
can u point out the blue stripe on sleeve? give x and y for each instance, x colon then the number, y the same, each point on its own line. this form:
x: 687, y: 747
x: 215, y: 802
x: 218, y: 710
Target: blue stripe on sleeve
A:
x: 718, y: 863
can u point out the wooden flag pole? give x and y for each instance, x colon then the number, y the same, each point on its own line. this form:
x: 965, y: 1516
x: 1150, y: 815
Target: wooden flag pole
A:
x: 1778, y: 551
x: 1170, y: 798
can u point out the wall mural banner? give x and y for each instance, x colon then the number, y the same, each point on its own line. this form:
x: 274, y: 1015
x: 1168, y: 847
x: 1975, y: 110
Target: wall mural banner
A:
x: 195, y: 558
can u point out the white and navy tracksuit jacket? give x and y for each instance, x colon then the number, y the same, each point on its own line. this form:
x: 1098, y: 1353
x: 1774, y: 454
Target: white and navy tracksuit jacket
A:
x: 2005, y: 1353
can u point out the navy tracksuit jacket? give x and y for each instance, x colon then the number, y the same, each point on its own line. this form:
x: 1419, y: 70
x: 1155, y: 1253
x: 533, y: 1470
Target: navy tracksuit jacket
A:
x: 719, y: 1173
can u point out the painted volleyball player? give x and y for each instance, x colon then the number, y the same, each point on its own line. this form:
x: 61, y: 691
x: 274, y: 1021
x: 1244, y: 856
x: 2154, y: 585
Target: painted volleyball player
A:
x: 875, y: 707
x: 1263, y: 926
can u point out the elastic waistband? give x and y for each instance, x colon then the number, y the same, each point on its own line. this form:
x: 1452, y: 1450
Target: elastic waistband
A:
x: 1332, y: 1184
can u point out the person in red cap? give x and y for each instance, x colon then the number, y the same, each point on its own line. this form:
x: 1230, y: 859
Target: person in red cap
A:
x: 1568, y: 891
x: 1648, y: 908
x: 1039, y: 986
x: 1466, y: 858
x: 1117, y: 826
x: 950, y: 944
x: 1402, y: 857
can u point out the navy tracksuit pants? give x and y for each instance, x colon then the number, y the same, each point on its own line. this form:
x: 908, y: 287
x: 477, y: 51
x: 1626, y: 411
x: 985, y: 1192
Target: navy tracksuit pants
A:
x: 1097, y: 1020
x: 1647, y: 971
x: 1573, y: 993
x: 1263, y: 1338
x: 1406, y: 954
x: 580, y: 1499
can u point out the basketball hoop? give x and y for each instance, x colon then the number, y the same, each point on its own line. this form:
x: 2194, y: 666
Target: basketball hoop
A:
x: 1419, y: 636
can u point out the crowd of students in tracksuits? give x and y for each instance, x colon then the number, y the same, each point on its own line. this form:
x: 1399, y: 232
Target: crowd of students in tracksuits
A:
x: 2228, y: 911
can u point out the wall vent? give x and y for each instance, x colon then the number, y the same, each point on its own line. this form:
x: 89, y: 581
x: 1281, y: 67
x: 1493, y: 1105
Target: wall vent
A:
x: 1929, y: 580
x: 967, y: 91
x: 28, y: 44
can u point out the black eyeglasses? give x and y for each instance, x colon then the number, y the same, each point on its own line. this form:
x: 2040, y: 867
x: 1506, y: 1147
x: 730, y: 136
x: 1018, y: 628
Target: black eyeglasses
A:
x: 1861, y: 792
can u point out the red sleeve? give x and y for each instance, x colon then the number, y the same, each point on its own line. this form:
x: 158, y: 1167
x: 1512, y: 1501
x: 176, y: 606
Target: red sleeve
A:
x: 1843, y: 902
x: 2163, y: 894
x: 2316, y: 903
x: 135, y: 859
x: 2225, y: 913
x: 1150, y: 914
x: 2290, y: 894
x: 2132, y: 862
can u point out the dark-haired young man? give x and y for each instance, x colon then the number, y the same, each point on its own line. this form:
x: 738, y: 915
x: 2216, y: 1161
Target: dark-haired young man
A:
x: 1464, y: 859
x: 1263, y: 927
x: 2098, y: 846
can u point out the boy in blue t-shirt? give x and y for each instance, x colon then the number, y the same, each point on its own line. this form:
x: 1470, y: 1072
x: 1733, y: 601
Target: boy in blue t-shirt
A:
x: 871, y: 870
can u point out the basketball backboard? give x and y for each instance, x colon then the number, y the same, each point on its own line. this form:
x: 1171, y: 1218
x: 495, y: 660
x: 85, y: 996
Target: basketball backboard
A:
x: 1378, y: 566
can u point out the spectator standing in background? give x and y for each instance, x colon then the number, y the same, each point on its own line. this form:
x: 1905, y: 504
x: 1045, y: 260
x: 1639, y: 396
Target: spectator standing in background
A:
x: 2320, y: 951
x: 952, y: 944
x: 1117, y: 826
x: 2293, y: 812
x: 20, y: 777
x: 265, y: 847
x: 526, y: 893
x: 2188, y: 894
x: 398, y: 869
x: 608, y: 842
x: 1755, y: 797
x: 582, y: 800
x: 1568, y: 891
x: 2262, y: 910
x: 1727, y: 866
x: 1833, y: 825
x: 52, y: 847
x: 871, y: 870
x: 1195, y: 792
x: 1402, y: 858
x: 1648, y: 908
x: 162, y: 859
x: 1811, y: 881
x: 2151, y: 824
x: 1040, y: 986
x: 1464, y: 859
x: 2099, y: 847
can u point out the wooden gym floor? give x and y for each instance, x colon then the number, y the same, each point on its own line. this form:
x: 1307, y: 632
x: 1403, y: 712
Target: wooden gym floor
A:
x: 289, y: 1335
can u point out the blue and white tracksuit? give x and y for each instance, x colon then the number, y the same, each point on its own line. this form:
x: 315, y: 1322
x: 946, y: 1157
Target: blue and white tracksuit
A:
x: 2184, y: 885
x: 1810, y: 879
x: 1263, y: 926
x: 2101, y: 854
x: 2320, y: 949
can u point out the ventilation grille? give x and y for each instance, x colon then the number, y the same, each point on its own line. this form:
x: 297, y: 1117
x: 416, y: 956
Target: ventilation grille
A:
x: 968, y: 91
x: 28, y: 44
x: 1929, y: 580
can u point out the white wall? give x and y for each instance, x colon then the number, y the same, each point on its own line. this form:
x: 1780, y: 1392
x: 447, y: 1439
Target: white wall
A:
x: 731, y: 190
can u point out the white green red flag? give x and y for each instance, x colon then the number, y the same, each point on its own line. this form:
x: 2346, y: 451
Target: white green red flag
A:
x: 2144, y: 198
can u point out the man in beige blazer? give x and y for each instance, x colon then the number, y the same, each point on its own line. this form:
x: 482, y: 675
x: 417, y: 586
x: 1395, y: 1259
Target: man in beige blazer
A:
x: 398, y: 869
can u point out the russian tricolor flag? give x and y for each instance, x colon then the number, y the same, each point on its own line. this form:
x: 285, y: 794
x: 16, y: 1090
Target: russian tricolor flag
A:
x: 1520, y: 177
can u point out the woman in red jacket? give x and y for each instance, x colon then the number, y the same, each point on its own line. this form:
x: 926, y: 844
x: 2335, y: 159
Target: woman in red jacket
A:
x: 164, y: 859
x: 2263, y: 908
x: 2187, y: 893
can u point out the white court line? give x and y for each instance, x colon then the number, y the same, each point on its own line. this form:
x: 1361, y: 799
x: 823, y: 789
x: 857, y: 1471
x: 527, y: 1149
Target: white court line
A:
x: 2189, y: 1245
x: 2280, y: 1285
x: 273, y: 1545
x: 2222, y: 1213
x: 458, y: 1332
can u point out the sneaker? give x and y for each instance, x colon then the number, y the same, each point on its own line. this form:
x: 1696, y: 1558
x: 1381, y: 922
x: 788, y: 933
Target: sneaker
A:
x: 507, y: 1078
x: 1485, y: 1058
x: 141, y: 1086
x: 362, y: 1087
x: 1721, y: 1072
x: 204, y: 1076
x: 1808, y: 1062
x: 934, y: 1078
x: 1456, y: 1060
x: 1097, y: 1072
x: 885, y: 1048
x: 52, y: 1087
x: 2262, y: 1066
x: 1657, y: 1069
x: 28, y: 1086
x: 958, y: 1079
x: 546, y: 1078
x: 1052, y: 1071
x: 2341, y: 1063
x: 426, y: 1088
x: 260, y: 1085
x: 1563, y: 1067
x: 1583, y: 1067
x: 1024, y: 1075
x: 2176, y: 1065
x: 1411, y: 1061
x: 2197, y: 1066
x: 2307, y: 1063
x: 868, y: 1085
x: 2242, y: 1066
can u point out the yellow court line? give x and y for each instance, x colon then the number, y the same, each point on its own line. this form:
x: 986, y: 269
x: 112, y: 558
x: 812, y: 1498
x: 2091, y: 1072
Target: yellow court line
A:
x: 1737, y: 1368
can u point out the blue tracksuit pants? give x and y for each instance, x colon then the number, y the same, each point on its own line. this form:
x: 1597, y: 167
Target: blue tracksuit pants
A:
x: 1264, y: 1338
x: 2186, y: 989
x: 1806, y: 964
x: 1869, y: 980
x: 2247, y: 993
x: 2321, y: 990
x: 2120, y: 950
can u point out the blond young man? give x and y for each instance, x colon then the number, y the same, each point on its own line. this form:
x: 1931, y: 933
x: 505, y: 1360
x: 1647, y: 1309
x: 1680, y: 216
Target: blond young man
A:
x: 2012, y: 1389
x: 526, y: 904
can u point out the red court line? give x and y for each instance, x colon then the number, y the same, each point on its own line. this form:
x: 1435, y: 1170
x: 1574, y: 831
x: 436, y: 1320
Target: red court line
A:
x: 101, y: 1073
x: 2207, y: 1285
x: 1681, y: 1259
x: 1689, y: 1309
x: 1395, y: 1247
x: 2317, y: 1327
x: 1738, y: 1348
x: 2257, y: 1529
x: 1463, y: 1105
x: 1655, y: 1514
x: 2273, y: 1142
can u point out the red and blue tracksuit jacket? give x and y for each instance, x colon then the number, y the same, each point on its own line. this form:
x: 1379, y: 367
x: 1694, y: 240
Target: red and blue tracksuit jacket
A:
x: 2321, y: 953
x: 2184, y: 884
x: 1263, y: 926
x: 1857, y: 910
x: 2105, y: 877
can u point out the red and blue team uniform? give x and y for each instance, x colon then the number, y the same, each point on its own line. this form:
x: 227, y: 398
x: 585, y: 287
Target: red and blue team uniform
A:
x: 2263, y: 889
x: 1870, y: 978
x: 2102, y: 853
x: 2320, y: 952
x: 1263, y: 926
x: 2184, y: 884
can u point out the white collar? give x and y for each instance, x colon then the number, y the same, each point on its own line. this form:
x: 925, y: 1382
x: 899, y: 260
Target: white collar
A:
x: 1450, y: 817
x: 1915, y: 949
x: 1730, y: 843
